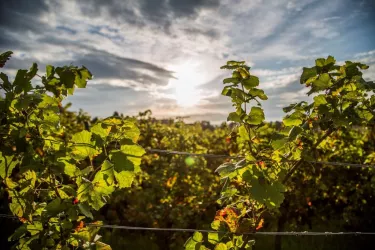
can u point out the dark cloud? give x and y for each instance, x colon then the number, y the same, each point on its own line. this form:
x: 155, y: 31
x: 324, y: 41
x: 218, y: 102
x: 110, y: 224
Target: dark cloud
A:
x: 102, y: 64
x: 21, y: 15
x: 67, y: 30
x: 159, y: 13
x: 9, y: 42
x: 108, y: 66
x: 190, y: 8
x: 208, y: 33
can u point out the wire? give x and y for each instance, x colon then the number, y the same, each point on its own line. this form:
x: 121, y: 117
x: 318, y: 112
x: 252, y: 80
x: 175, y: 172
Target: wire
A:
x: 245, y: 233
x: 342, y: 164
x: 6, y: 216
x: 172, y: 152
x: 152, y: 150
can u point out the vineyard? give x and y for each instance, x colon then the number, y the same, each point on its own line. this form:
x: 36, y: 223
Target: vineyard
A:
x: 72, y: 181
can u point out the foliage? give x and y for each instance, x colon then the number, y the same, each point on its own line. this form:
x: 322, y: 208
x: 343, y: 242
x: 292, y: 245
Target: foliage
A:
x: 87, y: 168
x: 54, y: 180
x: 257, y: 185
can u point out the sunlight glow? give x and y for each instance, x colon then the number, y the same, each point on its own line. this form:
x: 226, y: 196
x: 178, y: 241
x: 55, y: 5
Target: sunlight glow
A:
x: 186, y: 91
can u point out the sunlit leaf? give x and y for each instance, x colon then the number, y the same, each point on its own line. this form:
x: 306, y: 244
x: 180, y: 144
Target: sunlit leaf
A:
x: 256, y: 116
x: 251, y: 82
x: 7, y: 164
x: 82, y: 145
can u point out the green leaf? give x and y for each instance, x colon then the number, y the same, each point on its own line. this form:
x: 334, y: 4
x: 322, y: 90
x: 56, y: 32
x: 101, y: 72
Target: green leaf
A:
x: 21, y: 82
x: 54, y: 207
x: 258, y: 93
x: 124, y: 178
x: 198, y: 236
x: 69, y: 168
x: 319, y: 100
x: 83, y: 146
x: 32, y: 71
x: 322, y: 83
x: 101, y: 130
x: 94, y: 193
x: 6, y: 84
x: 50, y: 70
x: 102, y: 246
x: 225, y: 169
x: 88, y: 234
x: 294, y: 106
x: 251, y: 82
x: 194, y: 242
x: 320, y: 62
x: 126, y: 163
x: 85, y: 210
x: 231, y: 80
x: 227, y: 91
x: 295, y: 119
x: 67, y: 77
x: 7, y: 164
x: 294, y: 132
x: 35, y: 228
x: 221, y: 246
x: 81, y: 77
x: 279, y: 143
x: 308, y: 73
x: 213, y: 238
x: 4, y: 57
x: 330, y: 60
x: 234, y: 117
x: 270, y: 194
x: 18, y: 207
x: 133, y: 152
x: 364, y: 114
x: 243, y: 135
x: 256, y: 116
x: 244, y: 73
x: 235, y: 63
x: 19, y: 232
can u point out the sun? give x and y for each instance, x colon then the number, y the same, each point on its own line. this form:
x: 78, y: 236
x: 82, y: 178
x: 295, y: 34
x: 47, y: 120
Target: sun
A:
x: 186, y: 86
x: 186, y: 94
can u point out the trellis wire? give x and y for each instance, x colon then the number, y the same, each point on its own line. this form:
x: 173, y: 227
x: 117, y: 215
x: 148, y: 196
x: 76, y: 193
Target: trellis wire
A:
x: 245, y: 233
x: 189, y: 230
x: 171, y: 152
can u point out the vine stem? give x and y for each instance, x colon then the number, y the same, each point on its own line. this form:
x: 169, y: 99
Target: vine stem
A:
x: 243, y: 90
x: 249, y: 237
x: 299, y: 163
x: 249, y: 141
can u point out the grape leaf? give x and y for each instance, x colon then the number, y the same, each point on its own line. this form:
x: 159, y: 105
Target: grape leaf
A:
x: 83, y: 146
x: 256, y: 116
x: 7, y: 164
x: 251, y: 82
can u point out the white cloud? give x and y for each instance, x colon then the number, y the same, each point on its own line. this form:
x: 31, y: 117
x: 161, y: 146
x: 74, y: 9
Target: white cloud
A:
x: 277, y: 37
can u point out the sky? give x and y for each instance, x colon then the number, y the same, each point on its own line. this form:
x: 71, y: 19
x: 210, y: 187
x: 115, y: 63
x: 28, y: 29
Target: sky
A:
x: 165, y: 55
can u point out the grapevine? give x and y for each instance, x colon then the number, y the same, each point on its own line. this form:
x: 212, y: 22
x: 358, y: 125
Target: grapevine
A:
x: 56, y: 181
x: 342, y: 100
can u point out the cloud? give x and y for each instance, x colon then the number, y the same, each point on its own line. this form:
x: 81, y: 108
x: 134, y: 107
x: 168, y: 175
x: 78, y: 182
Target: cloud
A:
x: 158, y: 13
x: 135, y: 48
x: 22, y: 15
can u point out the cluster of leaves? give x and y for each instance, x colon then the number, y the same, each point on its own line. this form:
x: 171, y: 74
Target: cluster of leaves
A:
x: 170, y: 185
x: 54, y: 179
x: 166, y: 192
x: 255, y: 186
x: 171, y: 191
x: 60, y: 169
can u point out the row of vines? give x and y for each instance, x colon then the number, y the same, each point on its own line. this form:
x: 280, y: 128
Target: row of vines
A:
x: 63, y: 174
